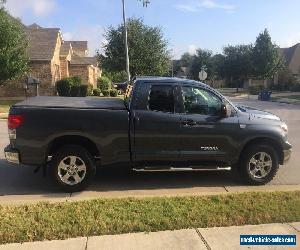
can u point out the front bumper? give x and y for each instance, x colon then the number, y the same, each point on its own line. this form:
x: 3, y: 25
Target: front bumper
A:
x: 12, y: 155
x: 286, y: 155
x: 286, y: 152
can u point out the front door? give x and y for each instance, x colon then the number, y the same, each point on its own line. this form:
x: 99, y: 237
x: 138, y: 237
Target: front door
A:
x: 157, y: 128
x: 206, y: 137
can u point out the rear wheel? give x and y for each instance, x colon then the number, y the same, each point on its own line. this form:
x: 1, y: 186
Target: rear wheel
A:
x: 72, y: 168
x: 258, y: 164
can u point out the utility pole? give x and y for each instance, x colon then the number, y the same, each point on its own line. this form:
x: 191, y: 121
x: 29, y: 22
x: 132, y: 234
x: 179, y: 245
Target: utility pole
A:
x: 126, y: 42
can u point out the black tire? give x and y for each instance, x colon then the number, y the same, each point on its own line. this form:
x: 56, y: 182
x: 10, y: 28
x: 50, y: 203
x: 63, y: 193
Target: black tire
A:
x: 82, y: 158
x: 244, y: 171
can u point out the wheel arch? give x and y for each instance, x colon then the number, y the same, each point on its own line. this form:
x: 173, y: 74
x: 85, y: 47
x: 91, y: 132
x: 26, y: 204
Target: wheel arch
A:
x: 265, y: 140
x: 78, y: 140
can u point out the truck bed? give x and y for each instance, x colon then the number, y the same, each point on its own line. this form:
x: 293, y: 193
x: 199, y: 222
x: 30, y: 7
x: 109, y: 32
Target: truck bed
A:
x: 73, y: 102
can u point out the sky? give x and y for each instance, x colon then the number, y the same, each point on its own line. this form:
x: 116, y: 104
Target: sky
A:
x: 186, y: 24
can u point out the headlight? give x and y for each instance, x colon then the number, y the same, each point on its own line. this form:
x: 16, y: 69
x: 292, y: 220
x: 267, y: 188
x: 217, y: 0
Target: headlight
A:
x: 284, y: 127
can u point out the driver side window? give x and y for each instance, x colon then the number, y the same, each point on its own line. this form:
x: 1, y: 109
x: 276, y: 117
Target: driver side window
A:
x: 200, y: 101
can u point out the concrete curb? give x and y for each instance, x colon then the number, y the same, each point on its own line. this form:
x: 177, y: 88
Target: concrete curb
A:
x: 196, y: 238
x: 139, y: 194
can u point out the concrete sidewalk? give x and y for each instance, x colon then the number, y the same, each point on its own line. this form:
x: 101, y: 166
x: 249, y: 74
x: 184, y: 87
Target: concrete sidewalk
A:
x: 200, y: 238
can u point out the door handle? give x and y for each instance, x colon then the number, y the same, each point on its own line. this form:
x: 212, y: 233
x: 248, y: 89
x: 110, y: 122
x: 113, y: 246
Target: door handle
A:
x: 136, y: 120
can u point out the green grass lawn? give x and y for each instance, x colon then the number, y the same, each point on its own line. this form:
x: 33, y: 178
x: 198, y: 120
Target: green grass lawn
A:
x: 45, y: 221
x: 5, y: 105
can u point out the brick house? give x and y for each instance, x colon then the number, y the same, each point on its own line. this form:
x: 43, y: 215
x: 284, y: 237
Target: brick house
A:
x: 50, y: 59
x: 292, y: 59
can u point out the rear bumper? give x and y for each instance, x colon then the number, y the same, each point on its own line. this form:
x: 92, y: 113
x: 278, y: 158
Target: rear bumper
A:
x: 12, y: 155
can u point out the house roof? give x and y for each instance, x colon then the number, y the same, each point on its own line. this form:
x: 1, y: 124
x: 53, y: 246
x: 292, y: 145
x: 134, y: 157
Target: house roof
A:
x: 42, y: 42
x: 65, y: 49
x: 78, y: 60
x: 34, y: 26
x: 79, y: 47
x: 288, y: 53
x: 292, y: 57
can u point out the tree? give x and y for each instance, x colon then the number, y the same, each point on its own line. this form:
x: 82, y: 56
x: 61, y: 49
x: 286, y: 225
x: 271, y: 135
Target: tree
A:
x: 238, y: 63
x: 184, y: 61
x: 145, y: 2
x: 201, y: 59
x: 13, y: 47
x: 148, y: 51
x: 286, y: 79
x: 218, y: 66
x: 265, y: 57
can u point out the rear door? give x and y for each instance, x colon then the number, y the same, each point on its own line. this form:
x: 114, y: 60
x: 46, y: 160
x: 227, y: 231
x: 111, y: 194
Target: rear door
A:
x: 206, y: 137
x: 157, y: 126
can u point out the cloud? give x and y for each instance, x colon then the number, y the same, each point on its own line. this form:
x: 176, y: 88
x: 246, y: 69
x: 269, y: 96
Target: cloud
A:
x: 186, y: 7
x: 200, y: 5
x: 192, y: 48
x: 92, y: 34
x: 39, y: 8
x: 178, y: 50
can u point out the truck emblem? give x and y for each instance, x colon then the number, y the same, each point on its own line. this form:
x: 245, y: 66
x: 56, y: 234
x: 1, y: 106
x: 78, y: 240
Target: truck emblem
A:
x: 210, y: 148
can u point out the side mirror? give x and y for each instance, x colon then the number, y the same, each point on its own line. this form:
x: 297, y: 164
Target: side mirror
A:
x: 224, y: 112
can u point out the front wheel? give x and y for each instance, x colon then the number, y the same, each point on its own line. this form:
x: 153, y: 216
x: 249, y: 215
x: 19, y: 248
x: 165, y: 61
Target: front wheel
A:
x: 72, y: 168
x: 258, y: 164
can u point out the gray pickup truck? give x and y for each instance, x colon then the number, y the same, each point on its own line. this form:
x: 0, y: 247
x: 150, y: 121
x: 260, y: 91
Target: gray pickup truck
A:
x: 162, y: 124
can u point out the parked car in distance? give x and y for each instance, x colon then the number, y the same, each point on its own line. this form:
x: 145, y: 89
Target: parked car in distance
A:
x: 162, y: 124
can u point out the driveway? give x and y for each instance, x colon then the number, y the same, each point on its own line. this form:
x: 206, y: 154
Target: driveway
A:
x: 20, y: 180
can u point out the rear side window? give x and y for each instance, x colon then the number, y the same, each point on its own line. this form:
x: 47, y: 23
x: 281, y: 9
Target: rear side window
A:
x: 161, y: 98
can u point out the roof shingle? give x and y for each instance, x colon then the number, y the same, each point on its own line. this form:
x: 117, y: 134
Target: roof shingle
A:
x: 78, y: 60
x: 79, y: 47
x: 42, y: 42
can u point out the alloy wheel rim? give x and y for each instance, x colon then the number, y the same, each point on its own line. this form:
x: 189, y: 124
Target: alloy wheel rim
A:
x: 71, y: 170
x: 260, y: 165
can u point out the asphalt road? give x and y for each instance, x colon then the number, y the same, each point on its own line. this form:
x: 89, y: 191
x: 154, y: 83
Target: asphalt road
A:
x: 20, y: 180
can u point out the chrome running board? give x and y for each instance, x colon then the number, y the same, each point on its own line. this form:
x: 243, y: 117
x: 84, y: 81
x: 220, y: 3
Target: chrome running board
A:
x: 172, y: 169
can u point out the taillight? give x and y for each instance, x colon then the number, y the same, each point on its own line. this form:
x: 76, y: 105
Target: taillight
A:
x: 15, y: 121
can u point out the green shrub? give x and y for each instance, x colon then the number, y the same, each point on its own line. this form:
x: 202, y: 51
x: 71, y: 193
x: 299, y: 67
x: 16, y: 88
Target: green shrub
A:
x: 113, y: 92
x: 76, y: 80
x: 104, y: 83
x: 63, y: 87
x: 105, y: 92
x: 75, y: 86
x: 72, y: 86
x: 118, y: 77
x: 90, y: 90
x: 255, y: 89
x: 75, y: 90
x: 96, y: 92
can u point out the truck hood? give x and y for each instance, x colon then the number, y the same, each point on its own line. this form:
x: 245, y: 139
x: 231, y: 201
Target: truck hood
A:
x: 257, y: 114
x: 73, y: 102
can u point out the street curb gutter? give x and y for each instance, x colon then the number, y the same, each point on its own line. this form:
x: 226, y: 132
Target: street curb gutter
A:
x: 90, y: 195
